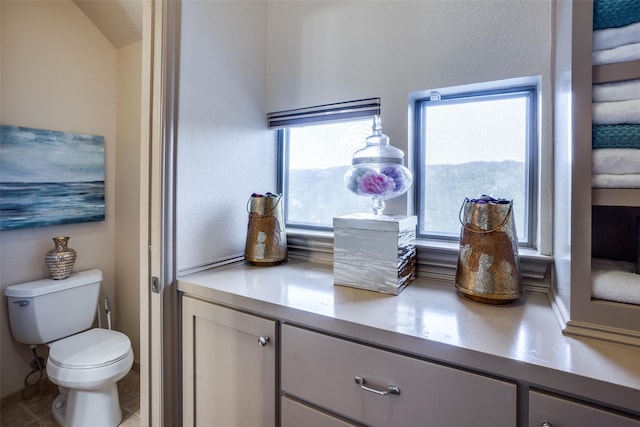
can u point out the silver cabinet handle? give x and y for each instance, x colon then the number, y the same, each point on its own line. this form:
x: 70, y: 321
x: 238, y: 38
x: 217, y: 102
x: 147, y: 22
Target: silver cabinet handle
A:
x: 389, y: 390
x: 546, y: 424
x: 263, y: 341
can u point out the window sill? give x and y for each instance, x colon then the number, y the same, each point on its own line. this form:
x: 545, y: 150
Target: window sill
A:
x: 436, y: 259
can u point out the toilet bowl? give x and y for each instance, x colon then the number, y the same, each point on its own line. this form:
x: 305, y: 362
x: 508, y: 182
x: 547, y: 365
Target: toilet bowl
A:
x: 85, y: 363
x: 86, y: 368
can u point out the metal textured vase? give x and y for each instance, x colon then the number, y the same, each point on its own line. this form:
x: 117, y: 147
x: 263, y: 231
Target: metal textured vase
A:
x: 266, y: 242
x: 488, y: 266
x: 60, y: 259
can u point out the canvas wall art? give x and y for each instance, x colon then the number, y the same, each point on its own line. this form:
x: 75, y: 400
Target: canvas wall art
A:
x: 49, y: 177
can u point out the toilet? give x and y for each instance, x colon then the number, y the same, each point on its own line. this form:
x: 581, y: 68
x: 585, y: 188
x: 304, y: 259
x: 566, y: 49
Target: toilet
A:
x: 86, y: 364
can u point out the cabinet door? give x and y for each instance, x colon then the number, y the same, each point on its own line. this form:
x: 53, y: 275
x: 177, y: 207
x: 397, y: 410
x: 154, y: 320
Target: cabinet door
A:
x: 229, y: 375
x: 381, y: 388
x: 559, y: 412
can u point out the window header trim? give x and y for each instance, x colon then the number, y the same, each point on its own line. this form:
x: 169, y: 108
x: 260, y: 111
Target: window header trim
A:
x: 325, y: 113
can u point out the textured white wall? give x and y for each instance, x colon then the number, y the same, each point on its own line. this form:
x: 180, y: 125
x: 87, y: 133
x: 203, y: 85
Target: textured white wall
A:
x: 315, y: 52
x: 224, y: 152
x: 58, y: 73
x: 328, y: 51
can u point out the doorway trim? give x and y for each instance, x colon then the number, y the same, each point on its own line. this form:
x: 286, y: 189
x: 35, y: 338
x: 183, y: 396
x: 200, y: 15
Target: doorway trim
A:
x: 160, y: 364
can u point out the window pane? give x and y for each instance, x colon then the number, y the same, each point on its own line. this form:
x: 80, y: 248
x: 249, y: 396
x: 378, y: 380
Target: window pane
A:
x: 317, y: 158
x: 473, y: 146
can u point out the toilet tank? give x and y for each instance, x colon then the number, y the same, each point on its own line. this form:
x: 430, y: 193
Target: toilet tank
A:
x: 47, y: 310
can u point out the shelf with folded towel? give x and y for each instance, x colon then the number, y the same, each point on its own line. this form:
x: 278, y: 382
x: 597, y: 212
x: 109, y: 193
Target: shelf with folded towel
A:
x: 615, y: 281
x: 615, y: 161
x: 615, y: 103
x: 615, y: 72
x: 615, y: 134
x: 615, y: 154
x: 616, y: 41
x: 615, y: 197
x: 615, y: 254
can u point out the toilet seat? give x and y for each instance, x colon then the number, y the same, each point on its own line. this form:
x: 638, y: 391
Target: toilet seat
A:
x: 90, y: 359
x: 90, y: 349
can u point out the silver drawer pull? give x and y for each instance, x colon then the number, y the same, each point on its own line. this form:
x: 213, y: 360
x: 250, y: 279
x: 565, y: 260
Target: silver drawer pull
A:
x: 263, y: 341
x: 389, y: 390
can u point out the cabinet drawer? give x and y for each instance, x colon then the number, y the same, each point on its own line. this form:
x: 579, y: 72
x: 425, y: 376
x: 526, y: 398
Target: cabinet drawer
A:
x: 296, y: 414
x: 559, y: 412
x: 322, y: 369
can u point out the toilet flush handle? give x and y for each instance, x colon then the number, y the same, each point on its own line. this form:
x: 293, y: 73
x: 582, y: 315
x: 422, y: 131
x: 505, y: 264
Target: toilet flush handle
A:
x: 22, y: 303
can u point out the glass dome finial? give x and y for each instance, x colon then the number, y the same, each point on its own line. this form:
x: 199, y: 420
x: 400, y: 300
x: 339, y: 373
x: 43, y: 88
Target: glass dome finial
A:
x: 377, y: 170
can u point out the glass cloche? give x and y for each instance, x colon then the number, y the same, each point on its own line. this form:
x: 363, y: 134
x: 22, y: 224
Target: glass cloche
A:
x: 377, y: 170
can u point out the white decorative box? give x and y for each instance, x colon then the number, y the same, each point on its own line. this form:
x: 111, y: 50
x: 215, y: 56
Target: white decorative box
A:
x: 372, y: 252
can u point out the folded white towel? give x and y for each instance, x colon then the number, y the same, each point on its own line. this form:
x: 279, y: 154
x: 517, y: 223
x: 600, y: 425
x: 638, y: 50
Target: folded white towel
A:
x: 615, y: 161
x: 609, y: 38
x: 615, y: 113
x: 615, y: 181
x: 615, y: 281
x: 616, y: 91
x: 628, y: 52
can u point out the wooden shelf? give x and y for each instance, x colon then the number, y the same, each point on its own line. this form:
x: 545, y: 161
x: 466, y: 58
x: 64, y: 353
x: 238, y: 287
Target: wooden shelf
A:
x: 616, y: 72
x: 615, y: 197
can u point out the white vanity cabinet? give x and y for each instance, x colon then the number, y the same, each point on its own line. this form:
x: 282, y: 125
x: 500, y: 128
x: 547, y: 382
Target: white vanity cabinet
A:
x: 382, y: 388
x: 339, y: 356
x: 229, y: 366
x: 547, y: 410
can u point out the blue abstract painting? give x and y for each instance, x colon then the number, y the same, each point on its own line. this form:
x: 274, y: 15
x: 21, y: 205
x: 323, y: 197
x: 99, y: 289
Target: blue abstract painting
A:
x: 50, y: 177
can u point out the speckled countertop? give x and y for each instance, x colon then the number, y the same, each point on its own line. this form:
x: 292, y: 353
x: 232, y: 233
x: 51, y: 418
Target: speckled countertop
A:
x: 521, y: 341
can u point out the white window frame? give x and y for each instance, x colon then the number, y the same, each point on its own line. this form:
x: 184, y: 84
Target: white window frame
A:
x: 437, y: 259
x: 470, y: 94
x: 313, y: 116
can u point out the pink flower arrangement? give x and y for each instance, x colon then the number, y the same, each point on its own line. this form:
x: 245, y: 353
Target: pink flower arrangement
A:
x: 375, y: 184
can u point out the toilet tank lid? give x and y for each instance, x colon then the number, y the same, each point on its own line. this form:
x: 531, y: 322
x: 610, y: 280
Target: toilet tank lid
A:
x: 46, y: 286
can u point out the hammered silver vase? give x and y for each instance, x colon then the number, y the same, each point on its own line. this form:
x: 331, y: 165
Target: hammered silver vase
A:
x: 60, y: 259
x: 266, y: 242
x: 488, y: 266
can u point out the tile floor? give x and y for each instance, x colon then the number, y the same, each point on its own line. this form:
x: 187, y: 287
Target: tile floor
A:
x: 35, y: 411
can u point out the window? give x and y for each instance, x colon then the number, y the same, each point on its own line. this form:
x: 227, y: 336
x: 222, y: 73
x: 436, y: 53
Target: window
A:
x: 315, y: 147
x: 470, y: 143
